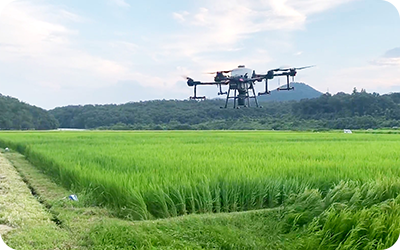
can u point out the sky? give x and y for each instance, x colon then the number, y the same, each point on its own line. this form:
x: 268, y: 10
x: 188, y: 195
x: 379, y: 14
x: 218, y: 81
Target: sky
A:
x: 71, y: 52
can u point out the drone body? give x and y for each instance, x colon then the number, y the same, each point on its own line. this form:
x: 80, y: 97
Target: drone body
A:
x: 242, y: 87
x: 241, y: 81
x: 241, y: 71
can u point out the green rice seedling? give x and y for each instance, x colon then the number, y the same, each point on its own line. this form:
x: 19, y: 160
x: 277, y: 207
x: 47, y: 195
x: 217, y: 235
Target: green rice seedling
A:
x: 164, y: 174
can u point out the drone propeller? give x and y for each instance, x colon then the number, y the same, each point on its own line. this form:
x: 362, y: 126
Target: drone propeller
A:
x: 223, y: 71
x: 190, y: 82
x: 293, y: 69
x: 186, y: 77
x: 306, y: 67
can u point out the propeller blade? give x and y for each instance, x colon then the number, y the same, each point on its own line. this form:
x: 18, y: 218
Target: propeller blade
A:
x: 306, y: 67
x: 286, y: 69
x: 224, y: 71
x: 281, y: 69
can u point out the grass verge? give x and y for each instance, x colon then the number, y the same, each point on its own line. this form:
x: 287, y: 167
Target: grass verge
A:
x: 22, y: 217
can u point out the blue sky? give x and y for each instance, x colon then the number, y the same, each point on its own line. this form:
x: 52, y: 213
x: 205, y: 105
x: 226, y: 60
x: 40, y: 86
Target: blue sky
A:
x: 57, y: 53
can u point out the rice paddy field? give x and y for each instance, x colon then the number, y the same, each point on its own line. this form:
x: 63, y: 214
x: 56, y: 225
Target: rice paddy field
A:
x: 342, y: 188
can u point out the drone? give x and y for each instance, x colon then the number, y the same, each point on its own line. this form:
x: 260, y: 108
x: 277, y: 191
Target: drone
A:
x: 241, y: 81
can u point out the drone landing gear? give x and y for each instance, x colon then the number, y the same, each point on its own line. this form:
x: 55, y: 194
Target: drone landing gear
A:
x: 266, y: 89
x: 220, y: 91
x: 287, y: 85
x: 254, y: 96
x: 195, y: 97
x: 240, y: 100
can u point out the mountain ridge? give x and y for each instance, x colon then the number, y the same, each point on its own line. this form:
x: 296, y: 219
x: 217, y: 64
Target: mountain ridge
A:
x: 301, y: 91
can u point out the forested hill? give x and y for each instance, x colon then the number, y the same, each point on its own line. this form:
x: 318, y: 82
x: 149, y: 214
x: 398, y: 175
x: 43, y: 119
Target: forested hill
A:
x: 354, y: 111
x: 18, y: 115
x: 301, y: 91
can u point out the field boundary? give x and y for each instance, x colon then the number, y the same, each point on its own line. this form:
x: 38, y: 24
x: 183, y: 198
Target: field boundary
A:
x: 20, y: 210
x: 18, y: 199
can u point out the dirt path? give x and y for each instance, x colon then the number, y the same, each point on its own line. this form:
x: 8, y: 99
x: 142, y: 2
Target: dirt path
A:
x: 18, y: 207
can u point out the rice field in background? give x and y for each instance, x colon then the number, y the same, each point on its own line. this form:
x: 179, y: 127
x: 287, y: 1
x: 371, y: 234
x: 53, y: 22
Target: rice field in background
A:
x: 148, y: 175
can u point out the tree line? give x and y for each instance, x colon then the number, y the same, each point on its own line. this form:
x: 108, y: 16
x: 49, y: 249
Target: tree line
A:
x: 359, y: 110
x: 16, y: 115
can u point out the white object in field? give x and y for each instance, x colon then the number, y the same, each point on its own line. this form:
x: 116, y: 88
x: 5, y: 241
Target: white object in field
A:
x: 73, y: 197
x: 347, y: 131
x: 6, y: 149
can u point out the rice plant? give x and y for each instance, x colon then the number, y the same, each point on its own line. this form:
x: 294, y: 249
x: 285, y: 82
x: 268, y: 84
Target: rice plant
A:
x: 147, y: 175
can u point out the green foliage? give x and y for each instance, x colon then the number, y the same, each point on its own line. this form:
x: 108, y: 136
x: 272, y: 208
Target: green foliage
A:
x: 146, y: 175
x: 301, y: 209
x: 88, y: 227
x: 357, y: 216
x: 332, y: 190
x: 359, y: 110
x: 16, y: 115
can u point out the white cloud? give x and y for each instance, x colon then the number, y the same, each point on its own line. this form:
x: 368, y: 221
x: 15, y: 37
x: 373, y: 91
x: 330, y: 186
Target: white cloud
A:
x: 392, y: 53
x: 372, y: 78
x: 181, y: 17
x: 30, y: 37
x: 34, y: 36
x: 390, y: 58
x: 308, y: 7
x: 223, y: 24
x: 120, y: 3
x: 299, y: 53
x: 67, y: 15
x: 43, y: 44
x: 378, y: 75
x: 395, y: 61
x: 38, y: 40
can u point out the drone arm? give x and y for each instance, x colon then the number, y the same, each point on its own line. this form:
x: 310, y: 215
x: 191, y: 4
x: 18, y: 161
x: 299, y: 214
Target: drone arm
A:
x: 281, y: 74
x: 212, y: 83
x: 271, y: 76
x: 192, y: 83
